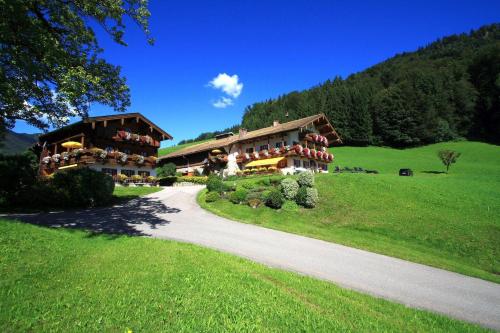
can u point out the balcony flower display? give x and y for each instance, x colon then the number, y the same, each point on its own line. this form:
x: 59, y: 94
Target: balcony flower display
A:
x: 298, y: 149
x: 151, y: 179
x: 264, y: 153
x: 313, y: 153
x: 319, y: 155
x: 46, y: 159
x: 256, y: 155
x: 246, y: 157
x: 77, y: 152
x: 136, y: 178
x: 139, y: 159
x: 56, y: 158
x: 122, y: 157
x: 122, y: 178
x: 307, y: 152
x: 65, y: 156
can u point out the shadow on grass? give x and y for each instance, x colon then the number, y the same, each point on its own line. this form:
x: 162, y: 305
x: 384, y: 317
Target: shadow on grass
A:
x: 434, y: 172
x: 120, y: 219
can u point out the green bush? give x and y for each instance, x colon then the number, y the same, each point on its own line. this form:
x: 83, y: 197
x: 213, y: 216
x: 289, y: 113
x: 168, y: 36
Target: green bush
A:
x: 290, y: 206
x: 274, y: 199
x: 306, y: 179
x: 18, y: 175
x: 264, y: 181
x: 202, y: 180
x: 238, y: 196
x: 276, y: 180
x: 289, y: 187
x: 167, y: 181
x: 212, y: 197
x: 249, y: 185
x: 307, y: 197
x: 82, y: 188
x: 166, y: 170
x: 215, y: 184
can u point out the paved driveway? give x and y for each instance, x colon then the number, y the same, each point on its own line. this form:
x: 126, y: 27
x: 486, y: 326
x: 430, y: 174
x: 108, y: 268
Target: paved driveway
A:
x: 174, y: 214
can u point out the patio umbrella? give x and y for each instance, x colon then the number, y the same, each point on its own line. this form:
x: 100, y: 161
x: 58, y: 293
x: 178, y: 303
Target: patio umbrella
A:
x: 216, y: 151
x: 71, y: 145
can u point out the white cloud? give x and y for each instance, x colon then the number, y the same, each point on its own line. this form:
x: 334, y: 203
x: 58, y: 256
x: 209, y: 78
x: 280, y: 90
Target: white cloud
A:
x: 228, y: 84
x: 223, y: 102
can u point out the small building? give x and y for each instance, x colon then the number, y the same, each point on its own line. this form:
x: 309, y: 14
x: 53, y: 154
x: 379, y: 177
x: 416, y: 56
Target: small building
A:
x: 124, y: 143
x: 296, y: 145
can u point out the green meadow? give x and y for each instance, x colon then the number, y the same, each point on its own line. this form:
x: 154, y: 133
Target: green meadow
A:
x: 451, y: 221
x: 59, y: 280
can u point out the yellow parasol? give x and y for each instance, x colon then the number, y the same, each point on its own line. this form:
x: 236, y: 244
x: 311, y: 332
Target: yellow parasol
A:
x: 216, y: 151
x: 71, y: 145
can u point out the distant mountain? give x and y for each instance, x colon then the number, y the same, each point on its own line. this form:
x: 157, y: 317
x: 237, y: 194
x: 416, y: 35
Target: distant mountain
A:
x: 449, y: 89
x: 15, y: 143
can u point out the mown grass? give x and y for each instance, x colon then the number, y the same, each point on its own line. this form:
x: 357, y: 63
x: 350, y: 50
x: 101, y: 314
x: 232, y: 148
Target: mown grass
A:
x: 450, y: 220
x: 171, y: 149
x: 134, y: 192
x: 56, y: 280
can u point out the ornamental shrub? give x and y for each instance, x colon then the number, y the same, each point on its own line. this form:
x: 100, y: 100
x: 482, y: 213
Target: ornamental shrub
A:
x: 307, y: 197
x: 289, y: 187
x: 290, y: 206
x: 306, y: 179
x: 166, y: 170
x: 212, y: 197
x: 17, y: 176
x: 238, y: 196
x: 82, y: 188
x: 167, y: 181
x: 215, y: 184
x: 274, y: 199
x: 193, y: 179
x: 264, y: 181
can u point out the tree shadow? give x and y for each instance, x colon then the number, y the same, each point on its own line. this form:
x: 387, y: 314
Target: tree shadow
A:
x: 120, y: 219
x: 434, y: 172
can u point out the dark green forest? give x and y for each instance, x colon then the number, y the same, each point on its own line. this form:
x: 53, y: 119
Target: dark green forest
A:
x: 449, y: 89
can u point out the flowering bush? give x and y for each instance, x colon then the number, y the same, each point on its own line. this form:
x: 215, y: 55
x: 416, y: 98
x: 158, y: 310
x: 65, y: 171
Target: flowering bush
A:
x: 307, y: 197
x: 306, y: 179
x: 289, y: 187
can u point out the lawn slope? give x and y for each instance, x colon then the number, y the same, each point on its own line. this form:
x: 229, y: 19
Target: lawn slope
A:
x: 450, y: 220
x: 55, y: 280
x: 171, y: 149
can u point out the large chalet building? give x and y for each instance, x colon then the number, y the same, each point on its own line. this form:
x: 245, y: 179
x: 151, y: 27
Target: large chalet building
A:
x: 296, y: 145
x: 117, y: 144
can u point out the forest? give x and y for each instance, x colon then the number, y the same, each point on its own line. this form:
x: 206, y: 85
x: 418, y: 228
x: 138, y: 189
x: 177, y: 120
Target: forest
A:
x: 447, y: 90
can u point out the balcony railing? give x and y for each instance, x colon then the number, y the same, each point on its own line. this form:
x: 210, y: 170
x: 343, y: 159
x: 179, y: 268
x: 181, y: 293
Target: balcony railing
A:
x: 296, y: 150
x: 95, y: 155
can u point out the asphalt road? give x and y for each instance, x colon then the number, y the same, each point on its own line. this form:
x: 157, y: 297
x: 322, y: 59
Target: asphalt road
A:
x: 174, y: 214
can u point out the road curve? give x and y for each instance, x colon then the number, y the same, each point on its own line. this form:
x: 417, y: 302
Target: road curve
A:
x: 174, y: 214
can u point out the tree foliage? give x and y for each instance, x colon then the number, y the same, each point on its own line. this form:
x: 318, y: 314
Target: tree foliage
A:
x: 448, y: 157
x: 51, y: 67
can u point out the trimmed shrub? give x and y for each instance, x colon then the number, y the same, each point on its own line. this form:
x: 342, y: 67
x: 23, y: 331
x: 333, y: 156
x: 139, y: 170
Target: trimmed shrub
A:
x: 290, y: 206
x: 248, y: 185
x: 276, y: 180
x: 212, y: 197
x: 82, y: 188
x: 306, y: 179
x: 274, y: 199
x: 264, y: 181
x: 202, y: 180
x: 238, y: 196
x: 215, y: 184
x: 307, y: 197
x: 289, y: 187
x: 254, y: 203
x: 167, y: 181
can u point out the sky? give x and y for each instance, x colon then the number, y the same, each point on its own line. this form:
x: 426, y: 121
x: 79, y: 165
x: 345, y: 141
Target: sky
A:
x: 212, y: 59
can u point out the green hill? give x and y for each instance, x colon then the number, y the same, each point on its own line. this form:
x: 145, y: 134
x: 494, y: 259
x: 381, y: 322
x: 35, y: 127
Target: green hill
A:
x: 450, y: 220
x: 171, y: 149
x: 15, y: 143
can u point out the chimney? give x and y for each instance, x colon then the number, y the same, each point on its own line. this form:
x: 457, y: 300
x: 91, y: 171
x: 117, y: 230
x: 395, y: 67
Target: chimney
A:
x: 275, y: 123
x: 242, y: 132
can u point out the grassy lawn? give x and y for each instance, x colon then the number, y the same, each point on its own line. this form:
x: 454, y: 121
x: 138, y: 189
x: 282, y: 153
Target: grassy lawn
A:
x: 450, y: 220
x: 127, y: 192
x: 56, y: 280
x: 171, y: 149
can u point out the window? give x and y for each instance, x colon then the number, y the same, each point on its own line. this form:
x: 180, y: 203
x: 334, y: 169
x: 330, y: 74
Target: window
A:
x: 306, y: 164
x: 143, y: 153
x: 249, y: 150
x: 128, y: 173
x: 144, y: 173
x: 264, y: 147
x: 324, y: 167
x: 296, y: 163
x: 126, y: 151
x: 313, y: 165
x: 108, y: 171
x: 279, y: 144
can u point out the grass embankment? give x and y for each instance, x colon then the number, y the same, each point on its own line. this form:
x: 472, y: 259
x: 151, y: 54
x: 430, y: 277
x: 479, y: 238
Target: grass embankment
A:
x: 450, y: 220
x: 171, y: 149
x: 56, y: 280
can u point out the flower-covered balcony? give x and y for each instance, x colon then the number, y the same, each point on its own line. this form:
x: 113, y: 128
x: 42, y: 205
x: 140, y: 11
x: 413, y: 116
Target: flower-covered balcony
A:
x: 320, y: 154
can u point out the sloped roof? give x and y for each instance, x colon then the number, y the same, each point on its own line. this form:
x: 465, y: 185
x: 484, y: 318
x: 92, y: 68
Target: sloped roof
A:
x: 271, y: 130
x: 108, y: 117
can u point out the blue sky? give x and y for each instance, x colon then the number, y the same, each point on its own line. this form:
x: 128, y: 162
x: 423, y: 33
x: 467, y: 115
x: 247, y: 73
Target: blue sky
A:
x: 272, y: 46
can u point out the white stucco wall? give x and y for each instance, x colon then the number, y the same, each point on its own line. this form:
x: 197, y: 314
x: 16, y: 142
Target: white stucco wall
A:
x: 118, y: 168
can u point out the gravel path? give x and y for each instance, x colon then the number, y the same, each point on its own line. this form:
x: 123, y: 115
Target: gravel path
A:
x: 174, y: 214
